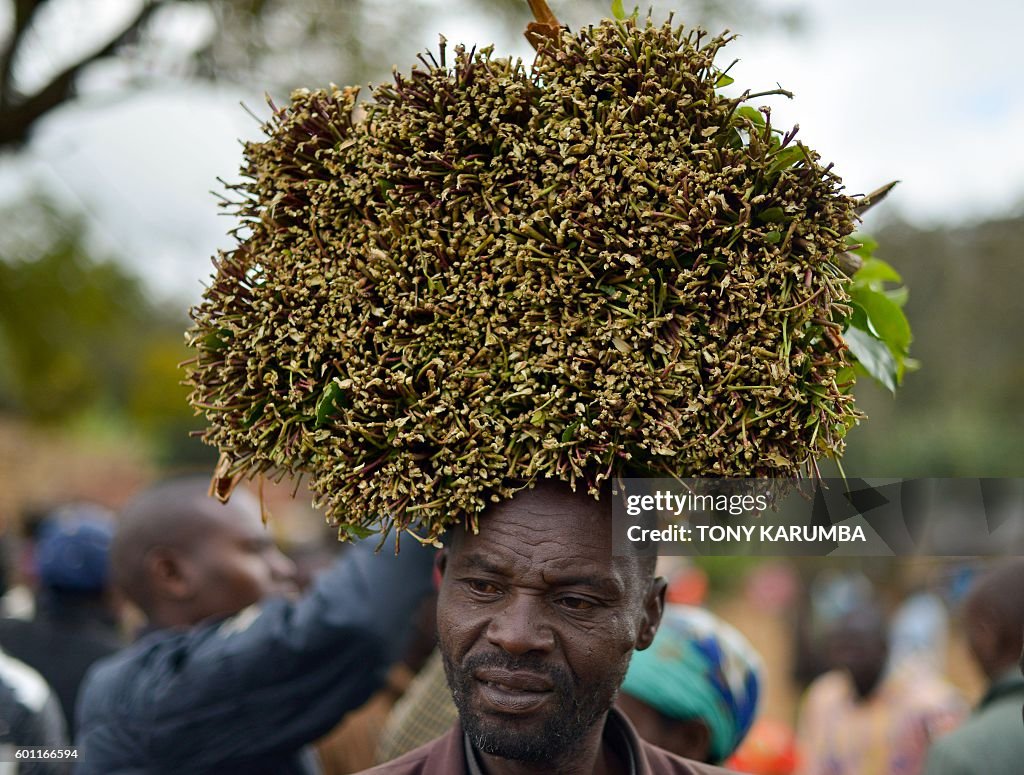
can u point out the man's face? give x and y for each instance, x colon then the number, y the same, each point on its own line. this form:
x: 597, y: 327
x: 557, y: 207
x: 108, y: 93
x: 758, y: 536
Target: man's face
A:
x: 537, y: 622
x: 236, y: 563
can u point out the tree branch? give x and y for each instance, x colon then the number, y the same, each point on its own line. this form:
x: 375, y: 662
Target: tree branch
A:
x: 24, y: 12
x: 19, y: 118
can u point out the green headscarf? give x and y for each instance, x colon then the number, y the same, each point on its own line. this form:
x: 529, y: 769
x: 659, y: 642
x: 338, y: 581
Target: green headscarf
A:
x: 699, y: 667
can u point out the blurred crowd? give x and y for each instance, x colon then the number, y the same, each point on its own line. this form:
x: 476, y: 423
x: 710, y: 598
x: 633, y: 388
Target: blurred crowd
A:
x: 178, y: 622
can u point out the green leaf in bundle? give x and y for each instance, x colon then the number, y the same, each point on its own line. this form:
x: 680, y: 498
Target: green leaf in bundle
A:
x: 753, y: 115
x: 570, y: 431
x: 255, y: 414
x: 619, y: 12
x: 874, y: 273
x: 845, y: 378
x: 877, y: 316
x: 862, y: 245
x: 859, y: 318
x: 898, y: 296
x: 874, y: 356
x: 326, y: 405
x: 772, y: 215
x: 885, y: 318
x: 789, y: 156
x: 215, y: 341
x: 357, y: 531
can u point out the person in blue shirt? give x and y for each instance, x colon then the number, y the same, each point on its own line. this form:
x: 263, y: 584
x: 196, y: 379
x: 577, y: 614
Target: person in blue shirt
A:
x: 236, y: 674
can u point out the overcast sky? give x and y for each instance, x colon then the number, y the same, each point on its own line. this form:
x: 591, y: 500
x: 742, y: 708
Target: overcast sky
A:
x: 882, y: 89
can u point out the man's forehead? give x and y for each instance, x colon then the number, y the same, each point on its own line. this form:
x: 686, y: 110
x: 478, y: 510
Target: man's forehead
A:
x: 550, y: 527
x: 507, y: 562
x: 551, y: 507
x: 238, y: 518
x: 552, y: 535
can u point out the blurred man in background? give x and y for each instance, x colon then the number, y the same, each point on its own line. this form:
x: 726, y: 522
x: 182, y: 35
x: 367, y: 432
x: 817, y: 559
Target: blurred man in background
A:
x: 234, y: 675
x: 991, y: 742
x: 76, y: 611
x: 20, y: 579
x: 858, y: 719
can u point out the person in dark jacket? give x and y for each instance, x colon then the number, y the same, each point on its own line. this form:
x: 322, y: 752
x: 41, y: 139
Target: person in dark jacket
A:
x: 537, y: 622
x: 76, y: 617
x: 234, y: 674
x: 30, y: 717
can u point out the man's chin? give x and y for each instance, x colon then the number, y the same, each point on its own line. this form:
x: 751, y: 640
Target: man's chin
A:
x: 515, y: 737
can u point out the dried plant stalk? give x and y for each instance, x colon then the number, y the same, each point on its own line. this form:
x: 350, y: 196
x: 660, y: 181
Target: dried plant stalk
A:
x: 601, y: 265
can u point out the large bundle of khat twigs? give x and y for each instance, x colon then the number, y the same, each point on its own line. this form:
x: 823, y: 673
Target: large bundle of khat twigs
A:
x: 598, y: 265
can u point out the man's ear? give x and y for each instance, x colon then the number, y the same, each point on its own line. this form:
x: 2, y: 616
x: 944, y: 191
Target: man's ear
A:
x: 168, y: 574
x: 441, y: 563
x: 654, y: 607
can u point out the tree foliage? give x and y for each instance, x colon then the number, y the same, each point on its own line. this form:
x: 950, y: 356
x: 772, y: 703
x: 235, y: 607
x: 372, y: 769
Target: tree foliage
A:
x: 79, y: 335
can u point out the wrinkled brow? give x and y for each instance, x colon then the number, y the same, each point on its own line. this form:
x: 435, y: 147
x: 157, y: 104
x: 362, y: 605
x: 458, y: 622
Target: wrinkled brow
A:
x: 572, y: 577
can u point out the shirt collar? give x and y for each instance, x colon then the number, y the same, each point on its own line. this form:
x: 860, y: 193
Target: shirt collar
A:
x: 473, y: 766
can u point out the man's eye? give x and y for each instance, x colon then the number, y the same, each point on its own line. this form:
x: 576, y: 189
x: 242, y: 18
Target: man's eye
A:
x: 576, y: 603
x: 482, y: 587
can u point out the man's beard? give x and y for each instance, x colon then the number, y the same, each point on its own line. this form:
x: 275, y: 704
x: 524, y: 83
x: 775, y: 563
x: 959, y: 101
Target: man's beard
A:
x: 564, y: 721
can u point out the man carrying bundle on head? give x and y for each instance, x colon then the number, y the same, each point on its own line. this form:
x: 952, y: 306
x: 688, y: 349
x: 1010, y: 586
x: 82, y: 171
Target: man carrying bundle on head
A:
x: 501, y: 289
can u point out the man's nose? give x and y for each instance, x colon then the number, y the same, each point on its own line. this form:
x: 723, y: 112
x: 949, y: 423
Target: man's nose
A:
x: 521, y: 627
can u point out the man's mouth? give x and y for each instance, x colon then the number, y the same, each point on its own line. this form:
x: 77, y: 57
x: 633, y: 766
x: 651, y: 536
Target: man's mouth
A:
x: 512, y: 691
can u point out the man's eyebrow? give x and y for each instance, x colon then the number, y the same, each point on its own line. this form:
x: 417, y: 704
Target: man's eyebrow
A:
x: 570, y: 573
x: 604, y: 584
x: 484, y: 563
x: 607, y: 585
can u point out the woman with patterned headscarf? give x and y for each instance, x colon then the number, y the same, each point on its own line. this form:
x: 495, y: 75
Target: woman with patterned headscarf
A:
x: 695, y: 690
